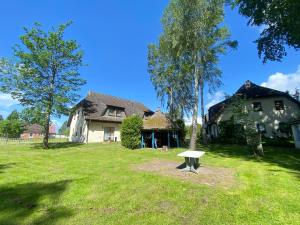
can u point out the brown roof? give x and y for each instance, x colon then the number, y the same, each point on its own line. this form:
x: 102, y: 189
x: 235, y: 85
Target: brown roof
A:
x: 95, y: 104
x: 34, y: 128
x: 158, y: 121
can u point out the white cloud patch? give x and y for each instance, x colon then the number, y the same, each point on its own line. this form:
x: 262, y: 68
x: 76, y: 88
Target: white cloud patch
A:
x: 284, y: 82
x: 214, y: 99
x: 6, y: 100
x: 188, y: 120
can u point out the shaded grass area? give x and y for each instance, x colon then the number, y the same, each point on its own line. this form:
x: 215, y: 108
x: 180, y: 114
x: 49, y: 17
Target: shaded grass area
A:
x: 98, y: 184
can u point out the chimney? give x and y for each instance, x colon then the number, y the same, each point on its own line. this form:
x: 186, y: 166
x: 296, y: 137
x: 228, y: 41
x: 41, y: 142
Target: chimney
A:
x: 247, y: 84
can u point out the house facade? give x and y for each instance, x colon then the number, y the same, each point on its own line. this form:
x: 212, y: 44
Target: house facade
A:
x: 98, y: 118
x: 36, y: 131
x: 269, y: 108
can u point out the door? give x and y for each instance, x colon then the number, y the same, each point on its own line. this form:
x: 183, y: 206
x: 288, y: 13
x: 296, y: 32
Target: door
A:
x: 109, y: 133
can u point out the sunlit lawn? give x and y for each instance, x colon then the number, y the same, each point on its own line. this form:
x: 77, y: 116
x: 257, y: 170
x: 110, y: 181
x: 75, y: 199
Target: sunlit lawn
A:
x: 97, y: 184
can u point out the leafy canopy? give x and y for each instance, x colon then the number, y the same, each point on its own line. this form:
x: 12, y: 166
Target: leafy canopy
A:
x: 281, y: 21
x: 46, y: 74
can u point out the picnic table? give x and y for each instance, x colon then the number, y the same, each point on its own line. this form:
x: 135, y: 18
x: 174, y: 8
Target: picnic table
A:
x: 191, y: 160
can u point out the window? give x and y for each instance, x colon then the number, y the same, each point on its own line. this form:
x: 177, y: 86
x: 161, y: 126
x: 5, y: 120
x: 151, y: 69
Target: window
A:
x: 30, y: 135
x: 119, y: 113
x: 256, y: 106
x: 279, y: 105
x: 109, y: 133
x: 111, y: 112
x: 261, y: 128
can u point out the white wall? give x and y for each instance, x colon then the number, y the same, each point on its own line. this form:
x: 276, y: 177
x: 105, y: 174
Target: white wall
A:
x: 96, y: 131
x: 269, y: 115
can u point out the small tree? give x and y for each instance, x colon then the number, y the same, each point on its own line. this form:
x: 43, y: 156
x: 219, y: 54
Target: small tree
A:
x: 241, y: 116
x: 46, y: 75
x: 131, y: 132
x: 12, y: 127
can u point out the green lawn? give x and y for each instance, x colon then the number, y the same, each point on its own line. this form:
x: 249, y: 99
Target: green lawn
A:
x: 97, y: 184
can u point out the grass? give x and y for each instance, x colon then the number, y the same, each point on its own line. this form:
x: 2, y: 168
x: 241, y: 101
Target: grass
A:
x: 96, y: 184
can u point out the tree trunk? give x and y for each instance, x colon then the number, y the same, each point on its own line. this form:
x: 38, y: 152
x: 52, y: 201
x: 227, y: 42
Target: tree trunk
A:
x: 193, y: 141
x: 46, y: 126
x: 204, y: 139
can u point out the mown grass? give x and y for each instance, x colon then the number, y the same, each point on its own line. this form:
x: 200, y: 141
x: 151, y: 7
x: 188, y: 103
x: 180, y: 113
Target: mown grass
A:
x: 97, y: 184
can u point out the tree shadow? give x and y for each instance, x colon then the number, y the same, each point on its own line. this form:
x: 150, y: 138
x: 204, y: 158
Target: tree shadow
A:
x: 288, y: 158
x: 21, y: 201
x: 59, y: 145
x: 6, y: 166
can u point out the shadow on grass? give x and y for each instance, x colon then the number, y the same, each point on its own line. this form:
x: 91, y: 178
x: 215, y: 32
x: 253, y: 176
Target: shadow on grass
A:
x: 21, y: 201
x: 288, y: 158
x: 6, y: 166
x: 59, y: 145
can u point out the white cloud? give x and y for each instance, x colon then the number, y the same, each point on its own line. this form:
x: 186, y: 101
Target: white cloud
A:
x: 188, y: 120
x: 6, y: 100
x: 214, y: 99
x: 284, y: 82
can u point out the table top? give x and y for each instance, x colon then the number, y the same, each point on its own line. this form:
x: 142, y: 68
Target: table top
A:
x: 191, y: 154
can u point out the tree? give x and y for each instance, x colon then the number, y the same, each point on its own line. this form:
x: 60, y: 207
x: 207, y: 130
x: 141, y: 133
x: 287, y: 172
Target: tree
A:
x: 64, y: 129
x: 187, y: 54
x: 32, y: 116
x: 12, y: 127
x: 280, y: 19
x: 131, y: 132
x: 46, y: 74
x: 241, y: 116
x: 1, y: 117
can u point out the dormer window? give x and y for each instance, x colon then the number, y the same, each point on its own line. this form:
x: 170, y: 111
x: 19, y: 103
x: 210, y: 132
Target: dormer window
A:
x: 256, y: 106
x: 119, y: 113
x: 111, y: 112
x: 279, y: 105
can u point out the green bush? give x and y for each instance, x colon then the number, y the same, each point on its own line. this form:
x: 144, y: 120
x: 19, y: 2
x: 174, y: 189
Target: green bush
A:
x: 131, y: 132
x: 278, y: 142
x: 231, y: 133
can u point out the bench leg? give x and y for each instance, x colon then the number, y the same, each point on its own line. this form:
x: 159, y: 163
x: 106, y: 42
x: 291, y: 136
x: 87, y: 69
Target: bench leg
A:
x: 190, y: 165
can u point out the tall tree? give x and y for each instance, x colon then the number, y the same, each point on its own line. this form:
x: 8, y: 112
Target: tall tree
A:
x: 33, y: 116
x: 281, y: 22
x: 46, y: 74
x: 195, y: 39
x: 1, y: 117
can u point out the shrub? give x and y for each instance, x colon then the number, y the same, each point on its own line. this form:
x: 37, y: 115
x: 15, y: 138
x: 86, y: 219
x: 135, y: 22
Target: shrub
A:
x: 231, y: 133
x: 131, y: 132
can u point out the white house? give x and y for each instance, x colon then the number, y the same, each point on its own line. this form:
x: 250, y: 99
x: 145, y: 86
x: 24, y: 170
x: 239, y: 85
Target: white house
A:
x: 98, y: 117
x: 269, y: 108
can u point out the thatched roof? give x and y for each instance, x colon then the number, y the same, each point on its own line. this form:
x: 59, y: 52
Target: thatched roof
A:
x: 158, y: 121
x: 95, y: 104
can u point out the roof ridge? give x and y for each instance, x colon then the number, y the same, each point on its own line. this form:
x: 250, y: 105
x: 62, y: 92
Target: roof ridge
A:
x: 116, y: 97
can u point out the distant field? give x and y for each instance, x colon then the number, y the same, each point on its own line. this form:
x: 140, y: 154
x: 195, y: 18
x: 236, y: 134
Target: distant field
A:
x: 108, y: 184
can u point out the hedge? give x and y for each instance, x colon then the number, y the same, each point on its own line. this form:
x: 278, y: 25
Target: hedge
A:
x: 131, y: 132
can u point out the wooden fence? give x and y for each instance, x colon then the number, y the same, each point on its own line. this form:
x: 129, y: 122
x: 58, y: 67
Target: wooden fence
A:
x: 4, y: 141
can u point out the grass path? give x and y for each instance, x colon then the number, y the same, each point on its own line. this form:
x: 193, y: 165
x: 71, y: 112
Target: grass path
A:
x: 97, y: 184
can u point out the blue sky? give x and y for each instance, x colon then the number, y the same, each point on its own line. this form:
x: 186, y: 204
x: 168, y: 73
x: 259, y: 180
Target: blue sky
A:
x: 114, y: 36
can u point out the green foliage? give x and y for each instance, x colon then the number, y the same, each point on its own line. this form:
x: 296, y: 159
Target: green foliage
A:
x: 46, y: 73
x: 32, y: 116
x: 64, y: 130
x: 241, y: 116
x: 1, y: 117
x: 12, y: 127
x: 131, y: 132
x: 182, y: 130
x: 278, y: 142
x: 285, y: 128
x: 231, y: 133
x: 187, y: 54
x: 280, y: 20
